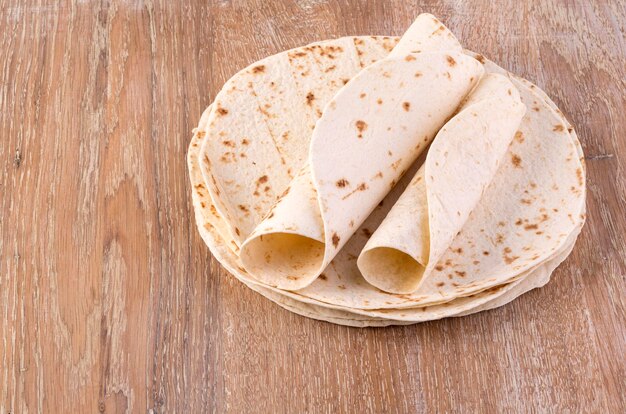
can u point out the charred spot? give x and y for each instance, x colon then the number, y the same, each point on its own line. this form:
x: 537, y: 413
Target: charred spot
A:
x: 342, y: 183
x: 345, y: 81
x: 243, y: 208
x: 258, y: 69
x: 406, y: 106
x: 202, y: 204
x: 335, y: 239
x: 518, y: 222
x: 361, y: 126
x: 244, y: 141
x: 310, y: 98
x: 531, y: 227
x: 362, y: 187
x: 263, y: 179
x: 486, y: 253
x: 458, y: 251
x: 450, y: 60
x: 440, y: 284
x: 222, y: 111
x: 237, y: 231
x: 229, y: 143
x: 459, y: 273
x: 558, y: 128
x: 439, y: 268
x: 516, y: 160
x: 323, y: 276
x: 481, y: 59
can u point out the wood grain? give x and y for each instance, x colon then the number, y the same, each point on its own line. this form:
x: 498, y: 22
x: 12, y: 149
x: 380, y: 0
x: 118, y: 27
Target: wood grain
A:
x: 110, y: 302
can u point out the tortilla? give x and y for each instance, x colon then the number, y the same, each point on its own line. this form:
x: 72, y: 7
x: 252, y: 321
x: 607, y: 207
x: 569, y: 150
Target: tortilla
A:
x: 341, y: 294
x: 460, y: 164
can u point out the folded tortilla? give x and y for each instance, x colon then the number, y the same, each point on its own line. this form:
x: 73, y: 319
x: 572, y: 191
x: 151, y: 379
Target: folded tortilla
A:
x: 368, y: 136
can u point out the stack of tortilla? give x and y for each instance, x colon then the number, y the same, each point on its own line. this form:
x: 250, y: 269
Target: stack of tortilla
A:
x: 373, y: 181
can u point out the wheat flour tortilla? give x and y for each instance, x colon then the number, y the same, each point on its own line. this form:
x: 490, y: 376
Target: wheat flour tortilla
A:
x: 496, y: 297
x: 459, y: 166
x: 486, y: 300
x: 487, y: 63
x: 341, y: 274
x: 370, y: 133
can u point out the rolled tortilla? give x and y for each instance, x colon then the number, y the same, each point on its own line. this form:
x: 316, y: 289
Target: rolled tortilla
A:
x: 368, y: 136
x: 460, y: 164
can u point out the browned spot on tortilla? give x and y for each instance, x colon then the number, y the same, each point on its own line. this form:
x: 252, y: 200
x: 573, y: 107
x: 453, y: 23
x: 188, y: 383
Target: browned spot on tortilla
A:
x: 579, y: 175
x: 229, y: 143
x: 450, y: 60
x: 202, y: 204
x: 199, y: 185
x: 526, y: 201
x: 270, y: 215
x: 379, y: 101
x: 310, y: 98
x: 201, y: 134
x: 323, y: 276
x: 499, y: 238
x: 516, y: 160
x: 439, y: 268
x: 440, y: 284
x: 335, y: 239
x: 345, y: 81
x: 244, y: 142
x: 476, y: 262
x: 558, y: 128
x: 447, y: 75
x: 518, y: 222
x: 361, y: 126
x: 533, y: 185
x: 362, y: 187
x: 243, y: 208
x: 406, y: 106
x: 351, y: 224
x: 510, y: 92
x: 367, y: 233
x: 535, y: 108
x: 509, y: 259
x: 418, y: 74
x: 222, y: 111
x: 258, y: 69
x: 458, y: 251
x: 342, y: 287
x: 531, y: 227
x: 342, y: 183
x: 461, y: 274
x: 386, y: 74
x: 263, y: 179
x: 486, y: 253
x: 409, y: 58
x: 519, y: 136
x: 501, y: 223
x: 330, y: 68
x: 480, y: 58
x: 237, y: 231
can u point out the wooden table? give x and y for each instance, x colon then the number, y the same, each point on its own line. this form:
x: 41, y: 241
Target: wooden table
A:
x: 110, y: 302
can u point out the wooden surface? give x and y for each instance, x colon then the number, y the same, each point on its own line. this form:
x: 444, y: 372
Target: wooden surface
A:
x: 110, y: 302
